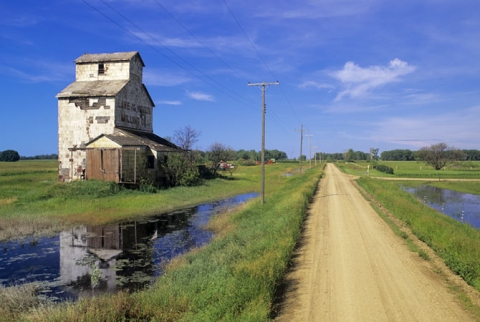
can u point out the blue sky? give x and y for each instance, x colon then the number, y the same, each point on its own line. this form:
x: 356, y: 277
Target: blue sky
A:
x: 356, y: 74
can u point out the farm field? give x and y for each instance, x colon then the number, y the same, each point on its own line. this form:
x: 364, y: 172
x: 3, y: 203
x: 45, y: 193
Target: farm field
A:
x: 463, y: 177
x: 414, y: 169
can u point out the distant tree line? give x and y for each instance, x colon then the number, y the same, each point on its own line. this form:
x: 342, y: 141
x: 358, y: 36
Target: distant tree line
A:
x: 408, y: 155
x: 52, y: 156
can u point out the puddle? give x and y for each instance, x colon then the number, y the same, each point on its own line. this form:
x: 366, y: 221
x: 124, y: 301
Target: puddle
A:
x: 461, y: 206
x: 126, y: 256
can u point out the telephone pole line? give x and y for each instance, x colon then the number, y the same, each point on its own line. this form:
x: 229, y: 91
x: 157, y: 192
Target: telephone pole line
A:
x: 315, y: 154
x: 301, y: 144
x: 309, y: 149
x: 263, y: 84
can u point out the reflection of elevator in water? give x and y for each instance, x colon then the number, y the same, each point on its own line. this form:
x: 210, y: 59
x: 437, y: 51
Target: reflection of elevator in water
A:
x: 124, y: 252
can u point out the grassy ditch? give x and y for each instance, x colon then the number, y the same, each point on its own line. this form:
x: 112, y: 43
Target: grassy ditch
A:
x: 456, y: 243
x: 233, y: 278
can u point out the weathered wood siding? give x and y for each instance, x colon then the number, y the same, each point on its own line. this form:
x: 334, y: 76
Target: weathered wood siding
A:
x: 103, y: 164
x: 134, y: 165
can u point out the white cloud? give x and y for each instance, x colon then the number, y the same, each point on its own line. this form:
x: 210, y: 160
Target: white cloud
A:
x: 314, y: 84
x: 198, y: 96
x: 459, y: 129
x: 38, y: 71
x: 166, y: 102
x: 164, y: 78
x: 358, y: 81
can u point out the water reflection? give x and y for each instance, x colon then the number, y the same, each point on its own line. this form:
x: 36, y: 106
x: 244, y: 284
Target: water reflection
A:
x: 463, y: 207
x: 128, y: 255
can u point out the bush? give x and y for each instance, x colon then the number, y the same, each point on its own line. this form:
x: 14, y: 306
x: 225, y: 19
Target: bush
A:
x: 9, y: 156
x: 385, y: 169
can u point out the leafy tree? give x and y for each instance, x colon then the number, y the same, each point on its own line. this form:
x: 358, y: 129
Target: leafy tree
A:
x: 472, y: 155
x: 439, y: 155
x: 398, y: 155
x: 349, y: 156
x: 9, y: 156
x: 179, y: 171
x: 218, y: 152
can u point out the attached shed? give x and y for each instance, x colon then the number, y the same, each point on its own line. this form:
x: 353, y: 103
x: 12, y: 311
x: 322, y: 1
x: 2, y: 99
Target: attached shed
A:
x: 128, y: 156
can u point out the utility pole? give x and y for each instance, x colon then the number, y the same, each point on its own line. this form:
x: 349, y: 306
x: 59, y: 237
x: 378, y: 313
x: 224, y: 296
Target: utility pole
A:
x: 262, y: 193
x: 315, y: 154
x: 309, y: 149
x: 301, y: 144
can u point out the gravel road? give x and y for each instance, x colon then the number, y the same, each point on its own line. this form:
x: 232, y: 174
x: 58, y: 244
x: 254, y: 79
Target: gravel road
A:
x: 352, y: 267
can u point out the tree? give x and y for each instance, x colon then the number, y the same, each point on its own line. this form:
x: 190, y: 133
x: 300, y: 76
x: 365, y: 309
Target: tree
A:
x: 180, y: 168
x: 216, y: 153
x: 185, y: 138
x: 9, y: 156
x: 349, y: 155
x: 179, y: 171
x: 439, y: 155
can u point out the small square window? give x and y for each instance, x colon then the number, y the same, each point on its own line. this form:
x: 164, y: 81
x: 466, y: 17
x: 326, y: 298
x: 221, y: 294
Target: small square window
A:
x: 101, y: 69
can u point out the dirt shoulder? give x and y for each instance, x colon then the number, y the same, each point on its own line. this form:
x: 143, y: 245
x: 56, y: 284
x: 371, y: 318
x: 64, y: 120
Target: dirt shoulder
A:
x: 352, y: 267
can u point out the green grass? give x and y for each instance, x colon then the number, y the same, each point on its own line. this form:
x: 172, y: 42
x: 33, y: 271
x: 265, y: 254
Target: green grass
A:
x: 234, y: 278
x: 413, y: 169
x: 32, y: 201
x: 458, y: 244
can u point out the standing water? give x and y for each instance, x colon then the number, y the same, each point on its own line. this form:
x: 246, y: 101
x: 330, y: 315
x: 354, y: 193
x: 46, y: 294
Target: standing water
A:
x: 124, y: 256
x: 461, y: 206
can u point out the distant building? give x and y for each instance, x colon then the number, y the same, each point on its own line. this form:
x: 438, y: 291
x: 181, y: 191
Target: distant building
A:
x: 105, y: 122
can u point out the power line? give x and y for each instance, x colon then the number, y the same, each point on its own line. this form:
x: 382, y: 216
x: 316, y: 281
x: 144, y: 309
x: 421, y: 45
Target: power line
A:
x: 168, y: 49
x: 240, y: 99
x: 261, y: 58
x: 199, y: 41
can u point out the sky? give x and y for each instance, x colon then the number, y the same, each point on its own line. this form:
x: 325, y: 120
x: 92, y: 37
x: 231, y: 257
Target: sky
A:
x: 354, y: 74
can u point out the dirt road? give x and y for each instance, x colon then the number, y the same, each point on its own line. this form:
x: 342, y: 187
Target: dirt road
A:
x: 351, y: 266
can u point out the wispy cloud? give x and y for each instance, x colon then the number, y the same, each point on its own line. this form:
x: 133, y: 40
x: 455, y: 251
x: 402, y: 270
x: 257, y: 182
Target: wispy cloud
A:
x: 314, y: 84
x: 198, y: 96
x: 457, y: 129
x: 38, y: 71
x: 166, y: 102
x: 358, y: 81
x: 309, y: 9
x: 164, y: 78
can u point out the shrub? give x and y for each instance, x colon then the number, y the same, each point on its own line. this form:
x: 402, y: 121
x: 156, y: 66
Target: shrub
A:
x: 385, y: 169
x: 9, y: 156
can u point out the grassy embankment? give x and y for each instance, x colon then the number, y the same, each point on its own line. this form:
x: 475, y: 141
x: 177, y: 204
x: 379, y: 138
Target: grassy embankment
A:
x: 233, y: 278
x: 458, y: 244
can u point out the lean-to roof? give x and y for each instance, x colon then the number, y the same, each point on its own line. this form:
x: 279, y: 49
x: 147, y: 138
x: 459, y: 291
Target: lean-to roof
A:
x: 132, y: 138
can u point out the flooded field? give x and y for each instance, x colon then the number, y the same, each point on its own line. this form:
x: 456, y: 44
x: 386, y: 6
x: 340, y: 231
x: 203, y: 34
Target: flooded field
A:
x: 122, y: 256
x: 461, y: 206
